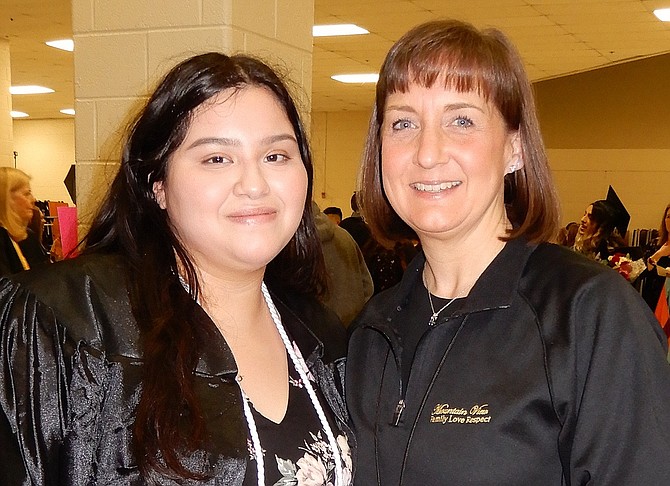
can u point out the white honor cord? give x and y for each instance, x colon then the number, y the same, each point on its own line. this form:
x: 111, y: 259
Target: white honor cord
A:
x: 255, y: 440
x: 301, y: 367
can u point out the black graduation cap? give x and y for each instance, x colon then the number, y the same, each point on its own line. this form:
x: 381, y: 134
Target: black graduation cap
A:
x: 71, y: 183
x: 621, y: 215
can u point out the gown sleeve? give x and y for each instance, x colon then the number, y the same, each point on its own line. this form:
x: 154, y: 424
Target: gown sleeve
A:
x: 33, y: 389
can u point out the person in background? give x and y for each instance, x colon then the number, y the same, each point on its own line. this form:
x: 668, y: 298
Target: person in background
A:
x: 354, y: 224
x: 20, y: 247
x: 500, y: 358
x: 598, y: 236
x: 568, y: 234
x: 355, y: 209
x: 384, y: 264
x: 653, y: 278
x: 186, y: 345
x: 349, y: 284
x: 334, y: 213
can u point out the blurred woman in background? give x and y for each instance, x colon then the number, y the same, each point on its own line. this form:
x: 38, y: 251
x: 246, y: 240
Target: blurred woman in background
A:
x: 597, y: 236
x: 20, y: 247
x: 653, y: 278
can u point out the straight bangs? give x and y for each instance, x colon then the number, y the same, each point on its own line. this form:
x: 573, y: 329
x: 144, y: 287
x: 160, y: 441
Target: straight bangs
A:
x: 460, y: 57
x: 463, y: 60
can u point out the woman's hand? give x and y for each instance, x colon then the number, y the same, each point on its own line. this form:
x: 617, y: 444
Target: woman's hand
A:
x: 651, y: 263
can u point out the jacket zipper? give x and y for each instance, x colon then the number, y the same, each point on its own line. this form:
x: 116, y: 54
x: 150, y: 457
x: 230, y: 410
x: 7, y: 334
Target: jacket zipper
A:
x: 399, y: 408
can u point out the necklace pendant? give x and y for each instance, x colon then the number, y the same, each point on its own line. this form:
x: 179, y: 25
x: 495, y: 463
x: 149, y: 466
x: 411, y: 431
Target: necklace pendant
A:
x: 433, y: 318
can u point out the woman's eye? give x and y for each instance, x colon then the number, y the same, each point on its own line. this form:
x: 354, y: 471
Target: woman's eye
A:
x: 462, y: 122
x: 276, y: 158
x: 402, y: 124
x: 217, y: 159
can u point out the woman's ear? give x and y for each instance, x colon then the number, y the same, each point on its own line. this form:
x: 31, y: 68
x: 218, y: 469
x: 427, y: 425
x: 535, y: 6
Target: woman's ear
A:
x: 159, y: 193
x: 516, y: 153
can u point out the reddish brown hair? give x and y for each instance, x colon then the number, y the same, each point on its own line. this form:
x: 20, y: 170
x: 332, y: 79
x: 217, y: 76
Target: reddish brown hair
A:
x: 466, y: 59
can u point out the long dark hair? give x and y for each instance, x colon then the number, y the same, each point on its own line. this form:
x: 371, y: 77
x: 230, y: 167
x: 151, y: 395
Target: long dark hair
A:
x: 466, y: 59
x: 169, y: 422
x: 605, y: 236
x: 663, y: 230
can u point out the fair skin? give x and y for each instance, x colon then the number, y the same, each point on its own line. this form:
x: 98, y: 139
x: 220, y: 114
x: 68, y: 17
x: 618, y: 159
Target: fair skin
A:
x: 586, y: 225
x: 444, y: 158
x: 235, y: 191
x: 22, y: 203
x: 664, y: 250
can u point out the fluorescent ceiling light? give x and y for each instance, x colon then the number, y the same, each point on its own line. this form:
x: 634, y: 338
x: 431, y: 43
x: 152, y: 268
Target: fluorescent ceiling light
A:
x: 67, y: 111
x: 663, y: 14
x: 18, y: 114
x: 337, y: 29
x: 18, y: 90
x: 63, y: 44
x: 356, y: 78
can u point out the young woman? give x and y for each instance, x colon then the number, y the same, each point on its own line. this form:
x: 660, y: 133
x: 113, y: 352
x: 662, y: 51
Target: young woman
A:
x: 652, y: 279
x: 596, y: 236
x: 499, y: 358
x: 186, y: 346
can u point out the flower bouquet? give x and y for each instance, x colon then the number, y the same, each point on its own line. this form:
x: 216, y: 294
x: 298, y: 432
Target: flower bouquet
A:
x: 627, y: 267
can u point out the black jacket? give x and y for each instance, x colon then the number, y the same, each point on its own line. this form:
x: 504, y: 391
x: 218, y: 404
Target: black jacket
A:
x: 31, y: 248
x: 553, y: 372
x: 70, y: 378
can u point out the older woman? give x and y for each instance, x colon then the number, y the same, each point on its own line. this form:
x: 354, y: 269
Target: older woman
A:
x: 20, y: 248
x: 186, y: 346
x: 499, y: 358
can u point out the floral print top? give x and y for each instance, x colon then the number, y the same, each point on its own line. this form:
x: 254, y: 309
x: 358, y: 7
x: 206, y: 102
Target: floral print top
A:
x: 296, y: 450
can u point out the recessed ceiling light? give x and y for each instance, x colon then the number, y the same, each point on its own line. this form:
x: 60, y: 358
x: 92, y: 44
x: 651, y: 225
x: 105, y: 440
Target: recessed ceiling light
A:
x: 18, y: 114
x: 356, y: 78
x: 18, y: 90
x: 337, y: 29
x: 67, y: 111
x: 663, y: 14
x: 63, y: 44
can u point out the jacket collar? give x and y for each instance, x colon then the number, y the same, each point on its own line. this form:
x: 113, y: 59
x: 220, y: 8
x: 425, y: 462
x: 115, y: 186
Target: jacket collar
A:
x: 494, y: 289
x: 216, y: 357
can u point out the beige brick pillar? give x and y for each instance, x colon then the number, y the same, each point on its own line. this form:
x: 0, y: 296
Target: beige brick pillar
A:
x: 122, y: 47
x: 6, y: 131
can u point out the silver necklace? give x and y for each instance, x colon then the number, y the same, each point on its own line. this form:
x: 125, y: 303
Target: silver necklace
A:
x: 436, y: 314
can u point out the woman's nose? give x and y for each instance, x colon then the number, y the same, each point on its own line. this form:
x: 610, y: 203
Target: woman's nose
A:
x: 252, y: 180
x: 430, y: 147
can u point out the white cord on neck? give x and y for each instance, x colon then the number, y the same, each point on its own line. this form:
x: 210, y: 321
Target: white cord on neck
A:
x: 255, y: 439
x: 301, y: 367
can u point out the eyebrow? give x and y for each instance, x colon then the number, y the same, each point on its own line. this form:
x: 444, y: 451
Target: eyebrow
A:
x: 447, y: 107
x: 233, y: 142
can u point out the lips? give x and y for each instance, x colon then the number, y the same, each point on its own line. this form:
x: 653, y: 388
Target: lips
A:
x: 253, y: 215
x: 435, y: 186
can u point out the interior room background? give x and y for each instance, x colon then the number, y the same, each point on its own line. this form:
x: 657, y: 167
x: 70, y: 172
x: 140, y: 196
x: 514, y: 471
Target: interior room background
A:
x: 604, y: 127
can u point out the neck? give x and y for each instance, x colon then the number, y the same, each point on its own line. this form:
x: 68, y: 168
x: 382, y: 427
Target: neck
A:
x: 452, y: 270
x: 236, y: 305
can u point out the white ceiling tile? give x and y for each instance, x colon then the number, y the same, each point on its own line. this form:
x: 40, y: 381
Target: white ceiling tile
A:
x: 554, y: 37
